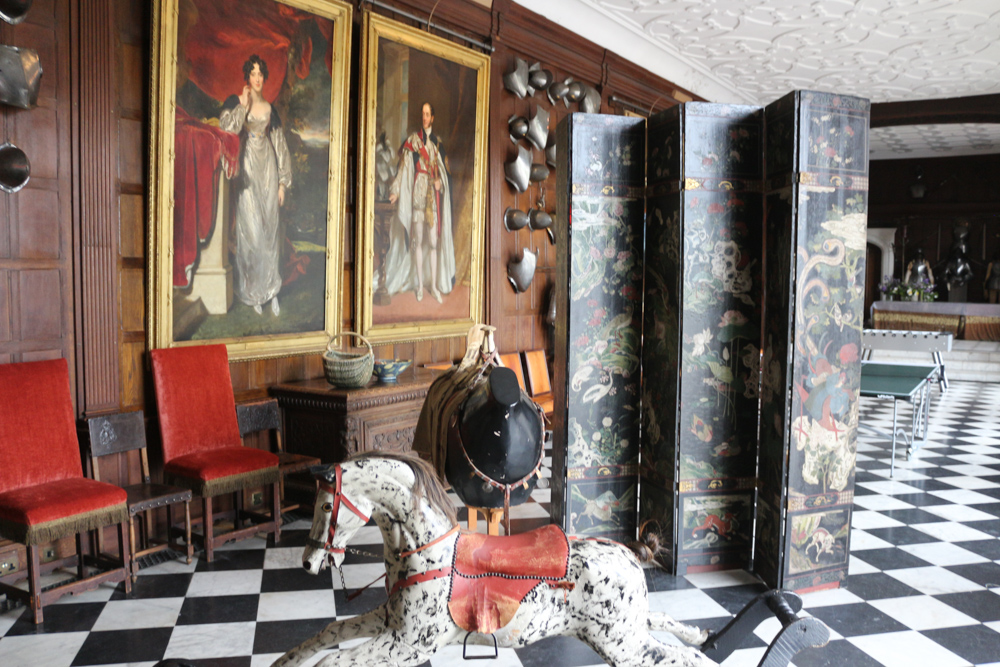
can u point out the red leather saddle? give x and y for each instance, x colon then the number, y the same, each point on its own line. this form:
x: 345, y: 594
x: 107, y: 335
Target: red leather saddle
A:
x: 492, y: 575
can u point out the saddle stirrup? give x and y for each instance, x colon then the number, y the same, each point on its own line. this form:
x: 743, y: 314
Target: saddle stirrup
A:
x: 496, y: 649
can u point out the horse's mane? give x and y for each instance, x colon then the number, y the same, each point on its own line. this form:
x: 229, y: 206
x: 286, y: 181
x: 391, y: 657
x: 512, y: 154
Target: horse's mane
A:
x: 426, y: 483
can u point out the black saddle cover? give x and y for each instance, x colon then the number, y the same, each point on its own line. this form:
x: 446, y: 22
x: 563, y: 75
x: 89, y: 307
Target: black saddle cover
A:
x: 495, y: 436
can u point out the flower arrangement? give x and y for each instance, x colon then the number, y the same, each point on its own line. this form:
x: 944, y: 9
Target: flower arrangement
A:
x: 896, y: 289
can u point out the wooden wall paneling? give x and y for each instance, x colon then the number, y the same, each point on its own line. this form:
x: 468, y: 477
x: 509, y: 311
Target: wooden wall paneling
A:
x: 132, y: 355
x: 96, y: 167
x: 631, y: 83
x: 132, y: 227
x: 36, y: 233
x: 5, y: 313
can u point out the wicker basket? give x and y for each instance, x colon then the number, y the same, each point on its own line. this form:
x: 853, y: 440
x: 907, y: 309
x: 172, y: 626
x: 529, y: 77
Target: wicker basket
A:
x: 348, y: 369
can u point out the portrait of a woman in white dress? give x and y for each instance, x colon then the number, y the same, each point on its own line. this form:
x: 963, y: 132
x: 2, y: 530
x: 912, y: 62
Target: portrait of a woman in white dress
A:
x: 260, y: 190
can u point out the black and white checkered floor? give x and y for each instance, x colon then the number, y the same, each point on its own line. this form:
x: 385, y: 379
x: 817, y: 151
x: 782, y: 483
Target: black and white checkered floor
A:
x: 925, y: 566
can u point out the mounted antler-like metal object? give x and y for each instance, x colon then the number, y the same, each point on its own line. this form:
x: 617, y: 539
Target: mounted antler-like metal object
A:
x: 521, y: 272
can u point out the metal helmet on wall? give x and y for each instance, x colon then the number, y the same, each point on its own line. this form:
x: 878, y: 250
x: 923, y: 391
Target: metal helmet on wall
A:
x: 14, y: 11
x: 15, y: 169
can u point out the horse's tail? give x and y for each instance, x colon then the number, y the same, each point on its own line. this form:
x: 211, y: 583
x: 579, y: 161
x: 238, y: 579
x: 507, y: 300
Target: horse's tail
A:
x: 648, y: 546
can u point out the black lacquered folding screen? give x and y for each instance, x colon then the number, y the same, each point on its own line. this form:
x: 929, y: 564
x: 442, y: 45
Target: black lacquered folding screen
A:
x: 701, y: 331
x: 728, y: 232
x: 816, y: 195
x: 598, y: 326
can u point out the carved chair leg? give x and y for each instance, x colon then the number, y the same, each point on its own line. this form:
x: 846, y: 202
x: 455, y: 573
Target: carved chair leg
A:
x: 473, y: 519
x: 146, y: 523
x: 238, y: 510
x: 125, y: 547
x: 81, y: 570
x: 132, y: 545
x: 206, y: 504
x: 187, y: 530
x: 276, y: 511
x: 34, y: 582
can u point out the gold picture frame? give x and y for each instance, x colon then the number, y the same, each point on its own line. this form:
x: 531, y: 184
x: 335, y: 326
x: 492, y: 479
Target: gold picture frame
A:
x: 248, y: 169
x: 421, y: 201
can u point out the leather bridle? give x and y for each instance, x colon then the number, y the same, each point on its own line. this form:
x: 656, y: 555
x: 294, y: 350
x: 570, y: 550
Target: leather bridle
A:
x: 338, y: 499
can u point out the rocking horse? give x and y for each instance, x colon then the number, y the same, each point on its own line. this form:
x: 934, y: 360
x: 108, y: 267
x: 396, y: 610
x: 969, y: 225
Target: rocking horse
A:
x: 450, y: 588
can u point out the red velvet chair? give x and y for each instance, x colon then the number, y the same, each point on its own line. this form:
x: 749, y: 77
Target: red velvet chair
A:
x: 43, y: 493
x: 202, y: 449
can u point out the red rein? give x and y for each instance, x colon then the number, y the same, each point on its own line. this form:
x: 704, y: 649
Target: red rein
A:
x: 338, y: 498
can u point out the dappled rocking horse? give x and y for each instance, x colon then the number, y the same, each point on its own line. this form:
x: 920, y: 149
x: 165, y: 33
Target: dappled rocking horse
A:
x: 446, y: 588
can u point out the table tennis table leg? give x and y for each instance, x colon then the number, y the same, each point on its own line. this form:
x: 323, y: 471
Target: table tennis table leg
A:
x: 943, y: 379
x: 892, y: 461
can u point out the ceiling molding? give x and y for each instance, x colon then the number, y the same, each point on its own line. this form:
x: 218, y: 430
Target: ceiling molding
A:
x: 755, y: 51
x: 973, y: 109
x: 605, y: 29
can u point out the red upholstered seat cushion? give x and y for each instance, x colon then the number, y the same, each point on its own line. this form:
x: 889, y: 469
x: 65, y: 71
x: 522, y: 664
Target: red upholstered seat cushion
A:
x: 194, y: 399
x: 37, y: 429
x: 49, y: 501
x: 217, y: 463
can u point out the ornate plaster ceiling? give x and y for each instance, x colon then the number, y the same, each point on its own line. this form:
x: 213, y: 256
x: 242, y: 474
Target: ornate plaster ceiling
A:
x: 920, y: 141
x: 754, y: 51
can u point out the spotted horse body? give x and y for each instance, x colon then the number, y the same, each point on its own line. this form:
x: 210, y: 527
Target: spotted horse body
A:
x: 602, y: 599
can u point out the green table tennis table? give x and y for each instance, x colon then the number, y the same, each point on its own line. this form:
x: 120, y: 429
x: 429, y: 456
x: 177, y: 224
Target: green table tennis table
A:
x: 900, y: 382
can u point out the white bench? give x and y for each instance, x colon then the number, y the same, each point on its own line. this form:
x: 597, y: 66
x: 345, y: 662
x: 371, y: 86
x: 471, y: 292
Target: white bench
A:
x: 932, y: 342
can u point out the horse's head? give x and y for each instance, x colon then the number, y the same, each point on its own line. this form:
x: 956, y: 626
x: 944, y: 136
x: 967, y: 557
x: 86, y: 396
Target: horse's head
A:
x: 336, y: 518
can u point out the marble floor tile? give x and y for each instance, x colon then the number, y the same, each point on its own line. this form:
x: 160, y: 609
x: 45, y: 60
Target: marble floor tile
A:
x: 906, y: 649
x: 922, y: 612
x: 943, y: 553
x: 295, y: 605
x: 684, y: 605
x: 55, y: 650
x: 133, y: 614
x: 950, y: 531
x: 933, y: 580
x: 233, y: 582
x: 212, y: 640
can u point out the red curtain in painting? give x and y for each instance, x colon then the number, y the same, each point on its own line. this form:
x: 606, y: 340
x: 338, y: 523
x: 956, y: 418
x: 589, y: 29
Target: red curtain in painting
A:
x: 199, y: 151
x: 218, y: 37
x: 227, y: 32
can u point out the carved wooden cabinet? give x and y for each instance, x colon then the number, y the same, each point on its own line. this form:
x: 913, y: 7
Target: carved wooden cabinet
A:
x: 330, y: 423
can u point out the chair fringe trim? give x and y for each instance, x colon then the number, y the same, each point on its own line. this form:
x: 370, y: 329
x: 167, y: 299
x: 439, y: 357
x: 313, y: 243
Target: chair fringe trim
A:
x: 229, y: 484
x: 50, y: 531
